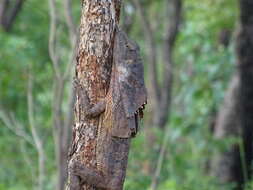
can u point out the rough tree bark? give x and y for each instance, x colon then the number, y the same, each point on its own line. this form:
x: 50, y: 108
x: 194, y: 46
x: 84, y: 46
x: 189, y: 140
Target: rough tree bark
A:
x: 245, y: 66
x: 93, y: 68
x: 8, y: 12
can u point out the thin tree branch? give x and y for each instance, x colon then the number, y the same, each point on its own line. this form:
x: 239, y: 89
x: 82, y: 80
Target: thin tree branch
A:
x: 37, y: 139
x: 72, y: 37
x: 12, y: 124
x: 70, y: 64
x: 61, y: 128
x: 52, y: 38
x: 28, y: 161
x: 163, y: 149
x: 34, y: 132
x: 70, y: 22
x: 174, y: 14
x: 152, y: 51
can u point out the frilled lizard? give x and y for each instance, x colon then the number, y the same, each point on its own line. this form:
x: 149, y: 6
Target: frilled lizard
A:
x: 122, y: 108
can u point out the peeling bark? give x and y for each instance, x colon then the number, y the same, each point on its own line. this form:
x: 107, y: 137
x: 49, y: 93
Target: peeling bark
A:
x: 93, y: 69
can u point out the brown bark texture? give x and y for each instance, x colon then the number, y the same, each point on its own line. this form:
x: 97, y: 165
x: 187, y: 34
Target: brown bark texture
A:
x: 93, y: 69
x: 244, y: 51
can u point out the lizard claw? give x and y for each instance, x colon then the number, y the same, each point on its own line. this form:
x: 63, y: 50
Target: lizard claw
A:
x: 76, y: 83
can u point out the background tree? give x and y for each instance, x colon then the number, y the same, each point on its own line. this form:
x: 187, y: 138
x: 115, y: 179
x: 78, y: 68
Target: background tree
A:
x: 8, y: 12
x: 226, y: 165
x: 244, y: 49
x: 62, y: 120
x: 161, y: 94
x: 235, y: 119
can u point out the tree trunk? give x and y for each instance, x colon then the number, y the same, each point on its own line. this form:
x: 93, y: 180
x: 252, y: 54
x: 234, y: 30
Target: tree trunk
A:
x: 93, y: 68
x: 161, y: 116
x: 174, y: 9
x: 9, y: 12
x: 236, y: 117
x: 245, y: 65
x: 226, y: 166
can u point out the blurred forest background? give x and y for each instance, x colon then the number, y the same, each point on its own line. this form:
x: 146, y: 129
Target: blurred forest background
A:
x: 190, y: 137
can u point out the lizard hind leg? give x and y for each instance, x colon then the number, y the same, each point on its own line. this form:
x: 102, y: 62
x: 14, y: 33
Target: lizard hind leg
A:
x: 90, y: 176
x: 95, y: 178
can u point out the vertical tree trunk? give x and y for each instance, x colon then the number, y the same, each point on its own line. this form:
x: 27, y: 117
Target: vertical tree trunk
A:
x: 226, y: 166
x: 93, y: 68
x: 236, y: 117
x: 9, y: 12
x: 174, y: 9
x: 245, y: 66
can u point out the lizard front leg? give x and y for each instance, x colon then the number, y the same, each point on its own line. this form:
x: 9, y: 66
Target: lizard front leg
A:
x: 89, y: 110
